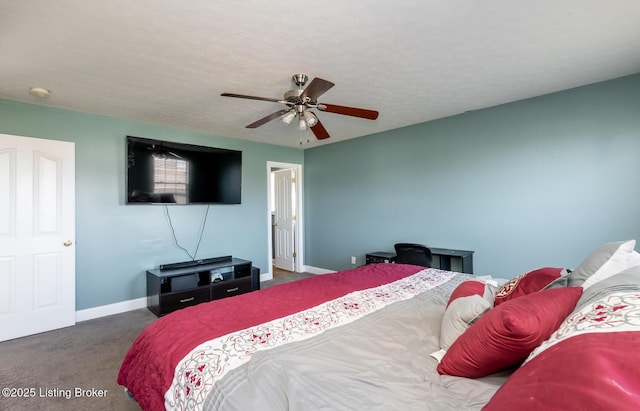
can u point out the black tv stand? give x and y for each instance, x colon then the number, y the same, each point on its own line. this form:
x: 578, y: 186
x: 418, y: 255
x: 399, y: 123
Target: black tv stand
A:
x: 174, y: 286
x: 195, y: 263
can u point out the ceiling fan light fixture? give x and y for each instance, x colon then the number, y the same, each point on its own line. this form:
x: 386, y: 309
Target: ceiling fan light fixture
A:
x: 310, y: 118
x: 302, y: 125
x: 288, y: 117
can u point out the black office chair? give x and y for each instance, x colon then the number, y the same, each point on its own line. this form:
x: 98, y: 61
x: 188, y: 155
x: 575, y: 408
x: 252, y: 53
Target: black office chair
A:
x: 416, y: 254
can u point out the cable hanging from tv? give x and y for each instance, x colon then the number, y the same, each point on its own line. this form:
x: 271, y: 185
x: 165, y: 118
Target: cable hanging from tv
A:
x: 175, y: 239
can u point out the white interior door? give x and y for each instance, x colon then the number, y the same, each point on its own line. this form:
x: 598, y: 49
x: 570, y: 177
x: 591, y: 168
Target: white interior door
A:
x: 284, y: 219
x: 37, y: 230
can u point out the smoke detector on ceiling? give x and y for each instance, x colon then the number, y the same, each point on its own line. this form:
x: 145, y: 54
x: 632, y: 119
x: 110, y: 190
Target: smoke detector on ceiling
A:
x: 39, y: 92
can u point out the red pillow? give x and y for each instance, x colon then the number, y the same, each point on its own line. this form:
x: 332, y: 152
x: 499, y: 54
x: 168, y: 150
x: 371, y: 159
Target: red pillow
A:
x: 594, y: 371
x: 527, y: 283
x: 506, y: 335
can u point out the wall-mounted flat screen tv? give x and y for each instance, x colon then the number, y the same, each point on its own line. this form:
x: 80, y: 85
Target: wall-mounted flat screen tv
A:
x: 164, y: 172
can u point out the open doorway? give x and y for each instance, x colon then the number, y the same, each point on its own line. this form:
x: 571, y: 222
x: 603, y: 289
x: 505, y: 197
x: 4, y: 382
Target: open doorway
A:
x: 284, y: 218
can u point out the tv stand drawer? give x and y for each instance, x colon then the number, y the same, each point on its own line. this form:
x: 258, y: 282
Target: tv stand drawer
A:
x: 175, y: 301
x: 229, y: 288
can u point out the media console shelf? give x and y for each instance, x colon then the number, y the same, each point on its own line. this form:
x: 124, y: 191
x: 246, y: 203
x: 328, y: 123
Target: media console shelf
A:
x: 169, y: 289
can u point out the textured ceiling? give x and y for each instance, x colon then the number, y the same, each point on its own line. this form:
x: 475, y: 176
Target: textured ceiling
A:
x: 167, y: 61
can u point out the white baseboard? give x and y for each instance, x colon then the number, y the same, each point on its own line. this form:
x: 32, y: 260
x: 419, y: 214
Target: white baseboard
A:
x: 316, y: 270
x: 110, y: 309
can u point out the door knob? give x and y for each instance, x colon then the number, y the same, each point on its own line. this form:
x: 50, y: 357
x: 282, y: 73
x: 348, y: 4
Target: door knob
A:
x: 67, y: 243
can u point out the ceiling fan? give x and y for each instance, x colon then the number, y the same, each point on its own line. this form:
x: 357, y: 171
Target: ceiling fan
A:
x: 299, y: 101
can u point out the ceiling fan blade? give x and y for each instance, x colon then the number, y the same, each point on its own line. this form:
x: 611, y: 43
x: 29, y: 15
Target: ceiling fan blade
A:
x: 320, y: 132
x: 316, y: 88
x: 274, y: 100
x: 349, y: 111
x: 266, y: 119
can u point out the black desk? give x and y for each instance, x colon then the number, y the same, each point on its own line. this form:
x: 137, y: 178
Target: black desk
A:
x: 442, y: 259
x: 445, y: 255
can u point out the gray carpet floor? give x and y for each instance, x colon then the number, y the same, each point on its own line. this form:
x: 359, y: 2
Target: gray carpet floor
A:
x: 49, y: 369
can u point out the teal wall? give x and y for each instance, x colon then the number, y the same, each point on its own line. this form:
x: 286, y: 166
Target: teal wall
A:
x: 115, y: 243
x: 533, y: 183
x: 539, y: 182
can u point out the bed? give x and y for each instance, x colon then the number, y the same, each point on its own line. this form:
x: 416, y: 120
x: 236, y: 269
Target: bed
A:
x: 393, y: 336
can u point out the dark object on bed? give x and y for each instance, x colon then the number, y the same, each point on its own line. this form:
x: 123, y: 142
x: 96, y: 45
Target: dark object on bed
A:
x: 416, y: 254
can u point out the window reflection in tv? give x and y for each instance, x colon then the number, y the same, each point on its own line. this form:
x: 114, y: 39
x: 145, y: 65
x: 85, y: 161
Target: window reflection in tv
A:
x: 163, y: 172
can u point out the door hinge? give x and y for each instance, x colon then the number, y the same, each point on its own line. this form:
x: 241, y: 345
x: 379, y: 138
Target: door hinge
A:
x: 293, y: 217
x: 295, y: 254
x: 293, y: 179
